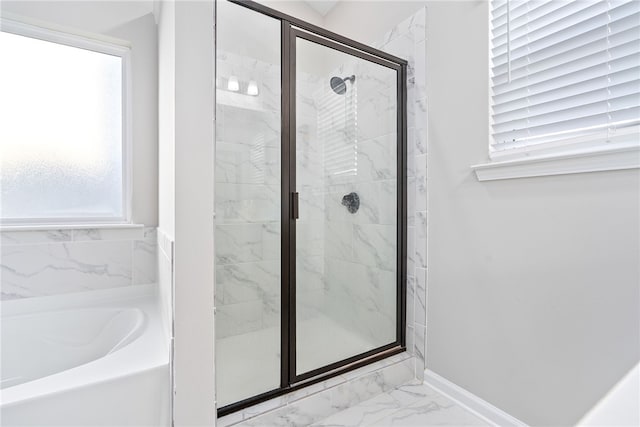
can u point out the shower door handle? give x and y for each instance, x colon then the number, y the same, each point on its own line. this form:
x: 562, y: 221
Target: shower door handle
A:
x: 294, y: 205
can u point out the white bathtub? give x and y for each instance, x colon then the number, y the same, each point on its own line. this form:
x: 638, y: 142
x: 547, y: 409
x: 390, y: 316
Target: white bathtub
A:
x: 95, y: 359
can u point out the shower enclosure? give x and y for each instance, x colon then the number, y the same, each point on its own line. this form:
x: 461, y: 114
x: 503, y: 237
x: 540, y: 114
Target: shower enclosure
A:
x: 310, y: 204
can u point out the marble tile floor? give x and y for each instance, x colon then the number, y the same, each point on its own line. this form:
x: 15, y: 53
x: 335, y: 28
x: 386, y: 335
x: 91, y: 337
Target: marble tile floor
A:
x: 409, y: 405
x: 249, y: 364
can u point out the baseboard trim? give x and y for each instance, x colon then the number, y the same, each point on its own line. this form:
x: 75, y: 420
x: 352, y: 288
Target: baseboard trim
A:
x: 470, y: 401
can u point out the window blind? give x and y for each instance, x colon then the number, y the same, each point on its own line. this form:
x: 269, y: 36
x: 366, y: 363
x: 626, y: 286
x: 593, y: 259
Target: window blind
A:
x: 563, y: 70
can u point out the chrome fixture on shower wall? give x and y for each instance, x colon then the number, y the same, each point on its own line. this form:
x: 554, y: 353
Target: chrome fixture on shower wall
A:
x: 352, y: 202
x: 338, y: 84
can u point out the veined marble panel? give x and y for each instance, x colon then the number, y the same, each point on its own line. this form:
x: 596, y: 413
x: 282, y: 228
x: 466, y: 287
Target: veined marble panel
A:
x: 407, y: 40
x: 431, y: 410
x: 377, y: 158
x: 377, y: 115
x: 248, y: 281
x: 411, y: 201
x: 363, y: 299
x: 56, y: 268
x: 420, y: 69
x: 310, y: 240
x: 254, y: 128
x: 310, y: 274
x: 238, y: 243
x: 108, y: 234
x: 421, y: 182
x: 419, y: 349
x: 421, y: 297
x: 377, y: 203
x: 309, y: 163
x: 421, y: 239
x: 145, y: 259
x: 311, y: 303
x: 271, y: 240
x: 375, y: 245
x: 408, y: 405
x: 34, y: 236
x: 411, y: 290
x: 240, y: 318
x: 312, y: 204
x: 247, y: 203
x: 333, y: 397
x: 247, y: 164
x: 339, y: 240
x: 271, y: 308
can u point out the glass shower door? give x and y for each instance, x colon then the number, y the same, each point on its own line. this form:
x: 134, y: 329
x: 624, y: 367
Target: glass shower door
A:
x: 248, y: 220
x: 346, y: 180
x: 310, y: 204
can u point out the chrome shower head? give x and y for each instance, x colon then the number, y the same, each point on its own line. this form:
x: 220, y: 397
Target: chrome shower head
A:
x: 338, y: 84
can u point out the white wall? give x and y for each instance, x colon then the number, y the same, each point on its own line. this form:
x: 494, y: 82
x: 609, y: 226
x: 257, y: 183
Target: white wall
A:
x: 166, y: 118
x: 187, y: 99
x: 133, y: 22
x: 532, y: 283
x: 296, y: 9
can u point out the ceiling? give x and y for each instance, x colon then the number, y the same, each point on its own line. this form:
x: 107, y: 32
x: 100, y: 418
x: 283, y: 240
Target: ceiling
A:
x: 322, y: 6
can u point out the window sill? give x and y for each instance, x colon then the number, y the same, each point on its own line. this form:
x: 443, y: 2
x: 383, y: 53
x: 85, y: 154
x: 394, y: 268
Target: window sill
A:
x: 621, y: 157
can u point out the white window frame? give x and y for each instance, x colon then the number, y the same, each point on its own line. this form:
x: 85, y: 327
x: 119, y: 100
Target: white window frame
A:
x: 100, y: 44
x: 593, y: 153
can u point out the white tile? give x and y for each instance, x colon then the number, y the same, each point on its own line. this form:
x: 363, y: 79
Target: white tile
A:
x: 247, y: 203
x: 82, y: 234
x: 421, y: 239
x: 411, y: 289
x: 377, y: 158
x: 421, y: 183
x: 430, y: 411
x: 237, y: 319
x: 375, y: 245
x: 419, y: 348
x: 145, y: 258
x: 363, y: 413
x: 34, y: 236
x: 56, y: 268
x: 421, y: 295
x: 377, y: 203
x: 238, y: 243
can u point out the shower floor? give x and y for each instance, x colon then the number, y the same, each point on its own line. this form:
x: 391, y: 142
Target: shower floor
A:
x: 249, y: 364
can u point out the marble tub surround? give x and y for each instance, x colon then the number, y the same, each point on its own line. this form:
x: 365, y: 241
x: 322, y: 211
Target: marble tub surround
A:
x: 316, y: 402
x: 412, y: 404
x: 38, y: 263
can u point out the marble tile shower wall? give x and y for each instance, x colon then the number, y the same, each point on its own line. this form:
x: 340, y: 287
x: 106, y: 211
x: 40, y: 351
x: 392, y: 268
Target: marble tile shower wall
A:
x: 408, y: 40
x: 247, y: 177
x: 311, y: 244
x: 360, y: 134
x: 41, y: 263
x: 248, y: 223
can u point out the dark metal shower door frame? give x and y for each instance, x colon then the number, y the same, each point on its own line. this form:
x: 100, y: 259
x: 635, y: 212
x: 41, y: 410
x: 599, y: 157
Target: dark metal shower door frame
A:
x: 292, y: 29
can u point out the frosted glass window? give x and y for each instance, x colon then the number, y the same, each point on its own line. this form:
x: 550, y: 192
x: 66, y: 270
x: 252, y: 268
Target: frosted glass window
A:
x: 61, y: 133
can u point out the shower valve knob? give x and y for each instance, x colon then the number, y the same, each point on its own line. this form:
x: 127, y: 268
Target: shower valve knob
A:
x: 352, y: 202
